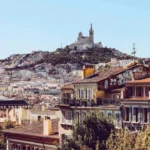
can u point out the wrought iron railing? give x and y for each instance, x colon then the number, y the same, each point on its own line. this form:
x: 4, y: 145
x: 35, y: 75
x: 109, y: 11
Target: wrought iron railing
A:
x: 90, y: 103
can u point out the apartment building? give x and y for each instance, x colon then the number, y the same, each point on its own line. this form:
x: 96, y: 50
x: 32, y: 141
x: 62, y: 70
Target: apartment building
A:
x: 36, y: 136
x: 136, y: 102
x: 101, y: 92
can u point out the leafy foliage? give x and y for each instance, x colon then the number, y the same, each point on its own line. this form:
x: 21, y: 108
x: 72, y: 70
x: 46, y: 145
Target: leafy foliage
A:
x: 125, y: 140
x: 92, y: 55
x: 95, y: 127
x: 143, y: 140
x: 121, y: 140
x: 98, y: 133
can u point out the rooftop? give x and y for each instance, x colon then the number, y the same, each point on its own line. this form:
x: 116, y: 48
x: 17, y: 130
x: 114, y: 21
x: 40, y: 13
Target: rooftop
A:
x: 146, y: 80
x: 137, y: 99
x: 99, y: 76
x: 7, y: 102
x: 102, y: 75
x: 35, y: 129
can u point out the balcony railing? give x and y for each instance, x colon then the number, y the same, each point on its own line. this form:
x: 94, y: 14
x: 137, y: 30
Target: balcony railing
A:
x: 78, y: 102
x: 89, y: 103
x: 109, y: 101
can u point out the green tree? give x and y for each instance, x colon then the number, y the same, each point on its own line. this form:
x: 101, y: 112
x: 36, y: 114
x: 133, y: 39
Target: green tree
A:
x: 95, y: 128
x: 121, y: 139
x: 143, y: 139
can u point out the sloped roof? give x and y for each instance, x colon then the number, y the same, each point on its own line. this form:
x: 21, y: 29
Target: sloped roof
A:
x: 102, y: 75
x: 142, y: 81
x: 99, y: 76
x: 35, y: 129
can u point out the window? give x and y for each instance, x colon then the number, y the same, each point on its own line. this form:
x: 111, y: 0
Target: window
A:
x: 145, y: 114
x: 76, y: 93
x: 69, y: 117
x: 127, y: 114
x: 24, y: 148
x: 117, y: 117
x: 102, y: 112
x: 136, y: 114
x: 130, y: 91
x: 81, y: 93
x: 63, y: 117
x: 89, y: 93
x: 87, y: 96
x: 39, y: 118
x: 147, y: 91
x: 86, y: 93
x: 139, y: 91
x: 63, y: 137
x: 46, y: 117
x: 109, y: 114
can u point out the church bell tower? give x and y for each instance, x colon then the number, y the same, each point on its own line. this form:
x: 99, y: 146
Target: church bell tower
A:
x: 91, y: 34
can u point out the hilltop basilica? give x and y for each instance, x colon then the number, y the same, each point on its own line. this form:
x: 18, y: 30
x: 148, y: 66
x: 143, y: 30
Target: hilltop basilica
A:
x: 84, y: 42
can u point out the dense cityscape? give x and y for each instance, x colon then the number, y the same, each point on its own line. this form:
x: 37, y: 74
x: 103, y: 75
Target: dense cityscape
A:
x: 74, y: 75
x: 45, y: 106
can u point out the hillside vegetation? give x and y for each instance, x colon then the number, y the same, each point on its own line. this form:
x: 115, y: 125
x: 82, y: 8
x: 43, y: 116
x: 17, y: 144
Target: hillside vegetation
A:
x: 93, y: 56
x: 62, y: 56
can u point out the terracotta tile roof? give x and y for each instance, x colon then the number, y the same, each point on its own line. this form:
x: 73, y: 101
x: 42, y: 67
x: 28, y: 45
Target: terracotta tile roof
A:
x: 35, y: 129
x: 102, y: 75
x: 146, y: 80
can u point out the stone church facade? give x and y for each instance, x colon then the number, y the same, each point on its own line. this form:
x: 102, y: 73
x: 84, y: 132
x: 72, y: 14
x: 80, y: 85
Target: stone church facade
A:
x: 84, y: 42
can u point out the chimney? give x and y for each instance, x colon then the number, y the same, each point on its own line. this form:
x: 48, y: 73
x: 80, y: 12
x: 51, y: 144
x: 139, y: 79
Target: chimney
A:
x: 87, y: 71
x: 47, y: 127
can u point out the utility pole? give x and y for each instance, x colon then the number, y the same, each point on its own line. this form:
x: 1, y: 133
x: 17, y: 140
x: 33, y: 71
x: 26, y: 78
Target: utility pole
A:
x: 134, y: 51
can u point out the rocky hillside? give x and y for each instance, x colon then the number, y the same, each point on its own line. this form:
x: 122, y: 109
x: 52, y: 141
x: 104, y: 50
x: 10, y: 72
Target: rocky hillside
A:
x: 68, y: 58
x: 93, y: 56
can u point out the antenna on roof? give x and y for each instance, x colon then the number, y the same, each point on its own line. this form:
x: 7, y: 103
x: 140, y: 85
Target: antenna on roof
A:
x: 134, y: 50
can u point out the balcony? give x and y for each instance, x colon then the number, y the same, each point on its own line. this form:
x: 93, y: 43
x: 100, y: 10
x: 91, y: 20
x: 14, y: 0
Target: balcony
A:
x: 78, y: 102
x: 141, y: 75
x: 89, y: 103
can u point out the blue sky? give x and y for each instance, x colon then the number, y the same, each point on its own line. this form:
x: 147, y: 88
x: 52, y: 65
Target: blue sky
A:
x: 44, y: 24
